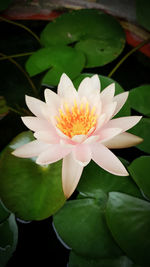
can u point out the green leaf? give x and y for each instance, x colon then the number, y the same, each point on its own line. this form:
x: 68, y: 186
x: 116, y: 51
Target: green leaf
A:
x: 139, y: 99
x: 4, y: 4
x: 129, y: 219
x: 8, y: 240
x: 58, y: 59
x: 78, y: 261
x: 139, y: 170
x: 31, y: 191
x: 142, y: 12
x: 104, y: 182
x: 105, y: 81
x: 142, y: 129
x: 4, y: 213
x: 101, y: 40
x: 81, y: 225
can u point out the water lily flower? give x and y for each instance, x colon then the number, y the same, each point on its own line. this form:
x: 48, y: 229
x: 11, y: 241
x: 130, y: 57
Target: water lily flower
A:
x: 77, y: 126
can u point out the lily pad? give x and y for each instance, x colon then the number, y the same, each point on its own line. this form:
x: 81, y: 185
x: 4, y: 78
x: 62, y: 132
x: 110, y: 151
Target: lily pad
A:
x: 4, y: 213
x: 139, y: 99
x: 142, y: 129
x: 81, y: 225
x: 142, y: 12
x: 139, y: 170
x: 57, y: 59
x: 128, y: 218
x: 29, y: 190
x: 99, y: 36
x: 4, y: 4
x: 102, y: 182
x: 78, y: 261
x: 105, y: 81
x: 8, y: 240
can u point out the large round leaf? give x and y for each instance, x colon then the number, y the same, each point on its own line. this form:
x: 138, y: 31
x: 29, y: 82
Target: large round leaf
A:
x: 4, y: 4
x: 105, y: 81
x: 142, y: 12
x: 4, y: 213
x: 142, y: 129
x: 98, y: 35
x: 104, y: 182
x: 81, y: 225
x: 78, y: 261
x: 139, y: 98
x: 58, y: 59
x: 8, y: 239
x: 129, y: 221
x: 29, y: 190
x: 140, y: 170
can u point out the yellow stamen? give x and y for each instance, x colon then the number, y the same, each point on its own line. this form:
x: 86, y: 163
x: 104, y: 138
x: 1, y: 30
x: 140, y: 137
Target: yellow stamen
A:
x: 77, y: 120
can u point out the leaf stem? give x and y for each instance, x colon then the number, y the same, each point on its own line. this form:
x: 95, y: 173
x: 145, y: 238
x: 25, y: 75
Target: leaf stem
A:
x: 17, y: 55
x: 34, y: 89
x: 22, y: 26
x: 127, y: 55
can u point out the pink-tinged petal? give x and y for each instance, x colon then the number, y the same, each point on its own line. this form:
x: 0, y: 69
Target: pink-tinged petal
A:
x: 36, y: 124
x: 82, y: 153
x: 30, y: 150
x: 91, y: 139
x: 71, y: 173
x: 109, y: 110
x: 52, y: 100
x: 100, y: 123
x: 123, y: 140
x: 96, y: 82
x: 89, y: 88
x: 108, y: 133
x: 36, y: 106
x: 52, y: 154
x: 107, y: 160
x: 120, y: 99
x: 125, y: 123
x: 107, y: 94
x: 78, y: 138
x: 66, y: 88
x: 47, y: 137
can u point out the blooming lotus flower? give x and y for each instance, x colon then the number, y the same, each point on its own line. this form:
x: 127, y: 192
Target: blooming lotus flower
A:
x: 77, y: 126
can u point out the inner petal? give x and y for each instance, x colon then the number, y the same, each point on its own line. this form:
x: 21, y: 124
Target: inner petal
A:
x: 78, y: 119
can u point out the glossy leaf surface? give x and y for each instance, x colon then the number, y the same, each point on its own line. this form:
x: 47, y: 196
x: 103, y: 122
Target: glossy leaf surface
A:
x: 139, y: 99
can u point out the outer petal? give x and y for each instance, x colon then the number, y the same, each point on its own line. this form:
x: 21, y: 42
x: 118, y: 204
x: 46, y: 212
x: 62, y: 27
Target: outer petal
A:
x: 125, y: 123
x: 89, y: 87
x: 52, y: 154
x: 96, y: 82
x: 107, y: 94
x: 82, y: 153
x: 66, y: 88
x: 120, y: 99
x: 47, y: 137
x: 107, y: 160
x: 108, y: 133
x: 53, y: 101
x: 36, y: 124
x: 36, y: 106
x: 71, y: 173
x: 31, y: 149
x: 123, y: 140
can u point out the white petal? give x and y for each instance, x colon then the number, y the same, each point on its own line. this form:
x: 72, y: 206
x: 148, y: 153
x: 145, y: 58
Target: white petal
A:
x: 107, y: 94
x: 96, y: 82
x: 79, y: 138
x: 120, y: 99
x: 91, y: 139
x: 52, y: 154
x: 123, y: 140
x: 89, y: 88
x: 82, y: 153
x: 35, y: 105
x: 107, y: 160
x: 108, y: 133
x: 125, y: 123
x: 36, y: 124
x: 53, y: 101
x: 71, y: 173
x: 30, y: 150
x: 47, y: 137
x: 109, y: 110
x: 66, y: 88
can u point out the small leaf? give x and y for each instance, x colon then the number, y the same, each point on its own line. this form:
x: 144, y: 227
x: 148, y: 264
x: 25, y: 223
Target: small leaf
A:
x: 101, y: 40
x: 78, y: 261
x: 139, y: 170
x: 81, y: 225
x: 31, y: 191
x: 58, y: 59
x: 142, y: 129
x: 128, y: 218
x: 139, y: 99
x: 8, y: 239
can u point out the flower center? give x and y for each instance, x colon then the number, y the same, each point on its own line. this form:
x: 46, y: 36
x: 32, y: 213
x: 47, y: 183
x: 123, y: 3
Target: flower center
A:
x: 77, y: 120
